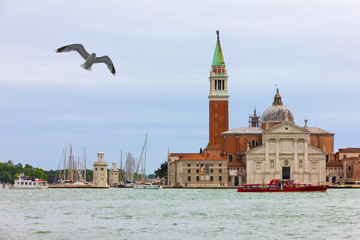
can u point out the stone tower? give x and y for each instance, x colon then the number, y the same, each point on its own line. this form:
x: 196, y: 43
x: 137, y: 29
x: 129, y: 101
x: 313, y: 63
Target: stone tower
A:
x: 114, y: 176
x: 100, y: 172
x: 218, y: 98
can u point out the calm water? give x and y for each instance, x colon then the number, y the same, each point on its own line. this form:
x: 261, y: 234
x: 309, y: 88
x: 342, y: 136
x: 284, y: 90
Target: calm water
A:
x: 178, y: 214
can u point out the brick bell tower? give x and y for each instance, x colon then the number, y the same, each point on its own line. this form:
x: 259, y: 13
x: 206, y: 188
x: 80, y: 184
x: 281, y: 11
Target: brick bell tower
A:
x: 218, y: 98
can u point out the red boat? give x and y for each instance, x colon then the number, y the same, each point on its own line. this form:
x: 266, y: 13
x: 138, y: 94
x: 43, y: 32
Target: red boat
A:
x: 279, y: 185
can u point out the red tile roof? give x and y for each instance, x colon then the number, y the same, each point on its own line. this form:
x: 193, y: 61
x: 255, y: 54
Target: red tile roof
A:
x: 334, y: 164
x: 349, y: 150
x: 200, y: 156
x: 351, y: 159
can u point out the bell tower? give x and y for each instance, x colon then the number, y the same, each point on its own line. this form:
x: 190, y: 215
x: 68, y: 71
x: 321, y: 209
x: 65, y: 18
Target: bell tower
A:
x: 218, y: 98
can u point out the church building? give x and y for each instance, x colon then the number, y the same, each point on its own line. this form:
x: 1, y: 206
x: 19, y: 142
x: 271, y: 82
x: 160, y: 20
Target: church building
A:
x: 272, y: 147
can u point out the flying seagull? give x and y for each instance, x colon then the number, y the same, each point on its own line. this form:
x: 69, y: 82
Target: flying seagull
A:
x: 90, y: 58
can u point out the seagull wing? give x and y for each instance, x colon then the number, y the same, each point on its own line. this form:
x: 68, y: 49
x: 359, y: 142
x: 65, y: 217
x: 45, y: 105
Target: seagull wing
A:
x: 74, y: 47
x: 107, y: 61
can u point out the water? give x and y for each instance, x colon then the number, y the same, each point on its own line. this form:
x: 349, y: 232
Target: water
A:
x: 178, y: 214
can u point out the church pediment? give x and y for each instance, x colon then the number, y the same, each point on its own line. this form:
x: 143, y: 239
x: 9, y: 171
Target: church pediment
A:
x: 286, y: 127
x: 257, y: 150
x: 315, y: 150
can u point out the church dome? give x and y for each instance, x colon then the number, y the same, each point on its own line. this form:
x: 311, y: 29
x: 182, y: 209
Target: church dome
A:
x: 277, y: 112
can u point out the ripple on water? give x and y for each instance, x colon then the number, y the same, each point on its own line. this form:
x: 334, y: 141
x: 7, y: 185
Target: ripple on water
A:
x: 179, y: 214
x: 43, y: 232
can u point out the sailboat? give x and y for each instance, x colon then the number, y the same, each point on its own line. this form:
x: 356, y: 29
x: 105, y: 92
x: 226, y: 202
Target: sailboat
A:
x: 71, y: 176
x: 144, y: 183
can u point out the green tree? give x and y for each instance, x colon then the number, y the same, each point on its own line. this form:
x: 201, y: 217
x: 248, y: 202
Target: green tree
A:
x: 162, y: 171
x: 151, y: 176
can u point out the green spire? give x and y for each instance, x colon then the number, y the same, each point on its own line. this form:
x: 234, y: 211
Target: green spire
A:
x: 218, y: 56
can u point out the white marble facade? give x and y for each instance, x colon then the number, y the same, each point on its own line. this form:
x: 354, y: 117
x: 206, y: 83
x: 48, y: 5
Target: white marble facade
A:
x: 286, y: 153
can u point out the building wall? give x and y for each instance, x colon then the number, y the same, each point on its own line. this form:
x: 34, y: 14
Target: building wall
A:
x: 334, y: 172
x: 100, y: 174
x: 218, y: 122
x: 191, y: 173
x: 114, y: 177
x: 343, y: 155
x: 234, y: 144
x: 351, y: 169
x: 318, y: 141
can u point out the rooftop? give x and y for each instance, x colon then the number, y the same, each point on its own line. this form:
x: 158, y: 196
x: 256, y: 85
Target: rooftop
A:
x: 316, y: 130
x: 349, y: 150
x: 244, y: 130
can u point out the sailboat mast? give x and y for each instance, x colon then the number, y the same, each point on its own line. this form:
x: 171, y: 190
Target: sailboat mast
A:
x: 121, y: 166
x: 84, y: 166
x: 65, y: 164
x: 70, y: 163
x: 145, y: 158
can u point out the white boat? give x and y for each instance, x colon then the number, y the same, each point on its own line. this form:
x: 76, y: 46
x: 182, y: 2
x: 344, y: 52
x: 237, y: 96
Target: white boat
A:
x: 147, y: 186
x: 24, y: 182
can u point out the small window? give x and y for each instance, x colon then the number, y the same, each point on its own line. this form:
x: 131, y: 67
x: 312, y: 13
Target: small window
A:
x: 215, y: 134
x: 229, y: 179
x: 219, y: 84
x: 230, y: 157
x: 215, y: 105
x: 211, y: 178
x: 211, y: 170
x: 96, y: 169
x: 197, y: 170
x: 102, y: 169
x: 327, y: 158
x: 189, y: 164
x: 215, y: 114
x: 197, y: 178
x: 349, y: 168
x: 220, y: 178
x: 253, y: 143
x: 220, y: 170
x: 189, y: 170
x: 189, y: 178
x: 344, y: 156
x: 220, y: 165
x: 215, y: 124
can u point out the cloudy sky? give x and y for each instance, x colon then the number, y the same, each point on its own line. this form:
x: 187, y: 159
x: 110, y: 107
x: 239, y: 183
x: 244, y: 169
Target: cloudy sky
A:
x: 162, y: 51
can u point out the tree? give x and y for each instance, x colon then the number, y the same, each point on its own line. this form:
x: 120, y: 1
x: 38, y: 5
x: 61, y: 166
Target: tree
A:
x: 162, y: 171
x: 151, y: 176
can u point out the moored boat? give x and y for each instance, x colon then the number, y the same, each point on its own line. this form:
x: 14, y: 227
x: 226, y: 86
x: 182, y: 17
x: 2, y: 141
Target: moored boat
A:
x: 280, y: 185
x: 147, y: 186
x: 24, y: 182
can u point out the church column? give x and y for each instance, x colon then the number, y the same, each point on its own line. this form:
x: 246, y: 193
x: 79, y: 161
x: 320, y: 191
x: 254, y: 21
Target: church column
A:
x: 306, y: 163
x: 267, y: 164
x: 296, y: 163
x: 277, y: 159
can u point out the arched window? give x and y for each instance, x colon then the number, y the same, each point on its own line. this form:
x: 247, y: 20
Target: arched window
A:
x: 253, y: 143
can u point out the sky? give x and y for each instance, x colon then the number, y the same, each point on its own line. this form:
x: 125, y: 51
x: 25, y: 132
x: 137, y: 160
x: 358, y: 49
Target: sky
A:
x: 162, y: 52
